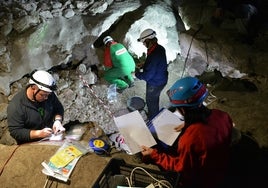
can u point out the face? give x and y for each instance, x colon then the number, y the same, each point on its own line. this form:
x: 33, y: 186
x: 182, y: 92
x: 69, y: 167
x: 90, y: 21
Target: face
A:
x: 40, y: 95
x: 146, y: 43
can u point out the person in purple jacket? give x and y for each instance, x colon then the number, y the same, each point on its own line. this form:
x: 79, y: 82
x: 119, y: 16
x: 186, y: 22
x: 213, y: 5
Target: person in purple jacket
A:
x: 154, y: 71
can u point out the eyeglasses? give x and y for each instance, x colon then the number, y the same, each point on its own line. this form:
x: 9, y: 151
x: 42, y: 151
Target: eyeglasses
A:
x: 44, y: 95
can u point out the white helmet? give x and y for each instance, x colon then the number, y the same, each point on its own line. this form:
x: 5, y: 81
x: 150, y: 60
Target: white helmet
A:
x: 147, y: 34
x: 107, y: 39
x: 43, y: 80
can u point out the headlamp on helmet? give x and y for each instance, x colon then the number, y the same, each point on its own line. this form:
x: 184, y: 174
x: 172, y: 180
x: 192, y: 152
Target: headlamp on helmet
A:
x: 147, y: 34
x: 107, y: 39
x: 43, y: 80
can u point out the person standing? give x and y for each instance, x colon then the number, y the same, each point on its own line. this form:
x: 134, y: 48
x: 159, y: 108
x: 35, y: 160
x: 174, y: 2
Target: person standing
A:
x: 154, y: 71
x: 202, y: 151
x: 119, y: 64
x: 35, y: 112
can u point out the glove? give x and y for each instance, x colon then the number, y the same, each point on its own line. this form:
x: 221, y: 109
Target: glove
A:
x: 57, y: 127
x: 47, y: 130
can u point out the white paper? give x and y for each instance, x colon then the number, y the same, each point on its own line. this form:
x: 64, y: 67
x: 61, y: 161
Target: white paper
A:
x: 164, y: 124
x: 135, y: 131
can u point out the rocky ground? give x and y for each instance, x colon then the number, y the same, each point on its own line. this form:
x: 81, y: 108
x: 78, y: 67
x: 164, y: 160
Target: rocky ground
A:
x: 21, y: 166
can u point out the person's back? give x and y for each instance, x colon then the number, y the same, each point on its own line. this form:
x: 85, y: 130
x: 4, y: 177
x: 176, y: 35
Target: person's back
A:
x: 208, y: 145
x: 201, y: 152
x: 120, y: 56
x: 155, y: 67
x: 119, y: 64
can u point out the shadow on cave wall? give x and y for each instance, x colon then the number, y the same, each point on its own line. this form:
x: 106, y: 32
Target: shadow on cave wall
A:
x: 227, y: 84
x: 121, y: 25
x: 249, y: 161
x: 249, y: 164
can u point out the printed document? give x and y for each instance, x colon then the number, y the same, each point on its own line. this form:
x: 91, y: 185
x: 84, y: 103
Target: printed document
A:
x: 162, y: 126
x: 135, y: 131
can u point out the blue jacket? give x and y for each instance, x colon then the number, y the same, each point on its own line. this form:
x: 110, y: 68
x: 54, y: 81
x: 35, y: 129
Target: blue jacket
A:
x: 155, y: 67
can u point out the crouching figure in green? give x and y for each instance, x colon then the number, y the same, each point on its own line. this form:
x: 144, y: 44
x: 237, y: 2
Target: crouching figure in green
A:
x: 119, y: 64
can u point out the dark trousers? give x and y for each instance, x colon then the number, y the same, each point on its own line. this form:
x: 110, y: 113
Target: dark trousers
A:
x: 152, y: 99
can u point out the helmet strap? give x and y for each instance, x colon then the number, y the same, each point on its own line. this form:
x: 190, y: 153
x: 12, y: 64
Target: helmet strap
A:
x: 146, y: 36
x: 181, y: 110
x: 52, y: 87
x: 34, y: 95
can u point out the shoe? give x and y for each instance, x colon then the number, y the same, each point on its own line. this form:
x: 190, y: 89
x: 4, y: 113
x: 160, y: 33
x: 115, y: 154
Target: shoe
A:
x: 120, y: 90
x: 128, y: 81
x: 132, y: 84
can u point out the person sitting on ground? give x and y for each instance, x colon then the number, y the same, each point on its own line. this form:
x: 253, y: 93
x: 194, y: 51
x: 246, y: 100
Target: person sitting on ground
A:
x: 201, y: 152
x: 119, y: 64
x: 35, y: 112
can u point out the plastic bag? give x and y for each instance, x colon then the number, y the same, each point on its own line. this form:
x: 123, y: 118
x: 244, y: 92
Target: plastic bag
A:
x: 111, y: 95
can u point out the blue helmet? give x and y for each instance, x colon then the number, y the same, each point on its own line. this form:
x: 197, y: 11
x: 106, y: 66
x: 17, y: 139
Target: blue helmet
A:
x: 188, y: 91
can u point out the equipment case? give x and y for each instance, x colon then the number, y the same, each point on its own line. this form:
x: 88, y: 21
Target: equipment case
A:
x: 116, y: 171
